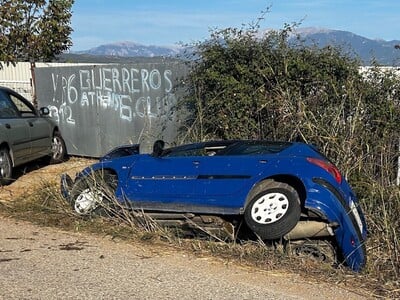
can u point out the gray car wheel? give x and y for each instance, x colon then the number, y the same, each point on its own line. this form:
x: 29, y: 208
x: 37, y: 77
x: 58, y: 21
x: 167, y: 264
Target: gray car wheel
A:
x: 5, y: 166
x: 58, y: 148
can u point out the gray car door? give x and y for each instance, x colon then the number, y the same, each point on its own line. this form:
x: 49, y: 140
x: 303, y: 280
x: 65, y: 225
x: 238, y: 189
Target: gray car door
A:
x: 14, y: 131
x: 39, y: 128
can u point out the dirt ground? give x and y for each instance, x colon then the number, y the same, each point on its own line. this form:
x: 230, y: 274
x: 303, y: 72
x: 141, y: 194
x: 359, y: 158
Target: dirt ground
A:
x: 30, y: 176
x: 47, y: 263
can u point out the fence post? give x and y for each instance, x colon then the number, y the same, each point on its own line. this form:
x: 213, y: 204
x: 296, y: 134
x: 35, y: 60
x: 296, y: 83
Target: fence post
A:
x: 33, y: 84
x: 398, y: 167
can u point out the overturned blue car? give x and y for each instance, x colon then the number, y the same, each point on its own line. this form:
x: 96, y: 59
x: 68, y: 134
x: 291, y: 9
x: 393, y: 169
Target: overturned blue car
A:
x: 274, y: 191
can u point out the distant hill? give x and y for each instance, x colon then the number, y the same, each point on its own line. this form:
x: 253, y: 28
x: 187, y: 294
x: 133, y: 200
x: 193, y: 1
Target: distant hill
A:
x: 131, y: 49
x: 109, y: 59
x: 365, y: 49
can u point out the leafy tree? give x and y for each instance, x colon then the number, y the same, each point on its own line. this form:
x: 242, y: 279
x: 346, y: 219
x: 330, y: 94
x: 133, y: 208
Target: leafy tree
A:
x: 34, y: 30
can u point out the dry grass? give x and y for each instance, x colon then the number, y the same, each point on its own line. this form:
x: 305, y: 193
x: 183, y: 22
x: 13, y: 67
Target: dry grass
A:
x: 47, y: 208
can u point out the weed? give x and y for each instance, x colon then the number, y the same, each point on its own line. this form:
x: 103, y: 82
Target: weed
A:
x: 46, y: 207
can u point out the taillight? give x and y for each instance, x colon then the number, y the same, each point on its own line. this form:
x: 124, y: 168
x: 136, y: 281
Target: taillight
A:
x: 327, y: 166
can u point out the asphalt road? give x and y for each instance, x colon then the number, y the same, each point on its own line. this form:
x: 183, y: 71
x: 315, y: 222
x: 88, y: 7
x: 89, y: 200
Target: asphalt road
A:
x: 45, y: 263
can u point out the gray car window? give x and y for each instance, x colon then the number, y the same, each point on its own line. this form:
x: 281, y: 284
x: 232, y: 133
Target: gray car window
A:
x: 24, y: 109
x: 7, y: 109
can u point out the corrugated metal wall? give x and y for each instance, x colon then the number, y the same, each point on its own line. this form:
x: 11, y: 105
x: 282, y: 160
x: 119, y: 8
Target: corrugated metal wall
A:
x: 104, y: 115
x: 19, y: 77
x: 99, y: 107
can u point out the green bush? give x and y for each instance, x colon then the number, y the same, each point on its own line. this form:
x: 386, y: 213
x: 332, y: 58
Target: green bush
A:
x: 246, y: 85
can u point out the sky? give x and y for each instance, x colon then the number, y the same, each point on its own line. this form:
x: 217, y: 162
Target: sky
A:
x: 170, y: 22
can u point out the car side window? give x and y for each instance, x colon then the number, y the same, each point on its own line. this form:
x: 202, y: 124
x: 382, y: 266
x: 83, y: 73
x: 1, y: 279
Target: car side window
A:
x: 23, y: 108
x: 7, y: 109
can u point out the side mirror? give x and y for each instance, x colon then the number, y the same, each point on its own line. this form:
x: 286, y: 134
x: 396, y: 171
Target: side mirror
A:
x: 158, y: 148
x: 44, y: 111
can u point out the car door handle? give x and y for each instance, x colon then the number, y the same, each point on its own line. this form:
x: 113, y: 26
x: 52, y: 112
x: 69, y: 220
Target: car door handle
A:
x: 30, y: 124
x: 196, y: 162
x: 263, y: 161
x: 8, y: 126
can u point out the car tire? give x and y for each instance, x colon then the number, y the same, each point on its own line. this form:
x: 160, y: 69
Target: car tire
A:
x: 58, y: 149
x: 94, y: 194
x: 5, y: 166
x: 317, y: 250
x: 274, y: 211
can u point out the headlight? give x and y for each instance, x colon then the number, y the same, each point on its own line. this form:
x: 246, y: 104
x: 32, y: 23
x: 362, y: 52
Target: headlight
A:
x: 354, y: 211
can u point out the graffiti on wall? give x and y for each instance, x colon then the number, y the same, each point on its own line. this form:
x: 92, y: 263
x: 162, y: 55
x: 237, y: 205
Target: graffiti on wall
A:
x: 133, y: 98
x: 120, y: 90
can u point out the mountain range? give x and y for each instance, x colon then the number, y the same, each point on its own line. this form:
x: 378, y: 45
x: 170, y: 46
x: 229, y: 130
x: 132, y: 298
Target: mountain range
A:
x: 132, y: 49
x: 367, y: 50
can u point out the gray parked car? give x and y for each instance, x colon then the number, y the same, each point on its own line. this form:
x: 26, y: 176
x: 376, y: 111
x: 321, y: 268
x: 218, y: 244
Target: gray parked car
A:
x: 25, y: 134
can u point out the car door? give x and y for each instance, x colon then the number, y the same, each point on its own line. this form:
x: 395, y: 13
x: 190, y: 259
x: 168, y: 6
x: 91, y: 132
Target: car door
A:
x: 193, y: 183
x: 14, y: 130
x: 39, y: 128
x: 226, y: 180
x: 163, y: 179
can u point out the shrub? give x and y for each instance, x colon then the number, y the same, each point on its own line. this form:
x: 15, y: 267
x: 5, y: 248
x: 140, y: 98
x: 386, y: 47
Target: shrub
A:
x: 245, y: 85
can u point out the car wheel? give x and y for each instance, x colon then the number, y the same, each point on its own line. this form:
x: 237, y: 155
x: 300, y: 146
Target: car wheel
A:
x: 274, y: 211
x: 94, y: 194
x: 58, y: 149
x: 5, y: 167
x: 318, y: 250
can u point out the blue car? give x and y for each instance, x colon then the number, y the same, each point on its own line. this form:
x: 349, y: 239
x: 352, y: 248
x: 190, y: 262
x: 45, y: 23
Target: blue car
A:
x: 275, y: 191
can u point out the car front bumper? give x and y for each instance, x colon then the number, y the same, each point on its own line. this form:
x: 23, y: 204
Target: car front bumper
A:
x: 351, y: 232
x: 66, y: 186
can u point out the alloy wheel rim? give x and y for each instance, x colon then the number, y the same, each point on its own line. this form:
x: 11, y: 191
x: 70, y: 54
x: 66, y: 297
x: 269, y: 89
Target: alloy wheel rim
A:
x: 56, y: 147
x: 4, y: 164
